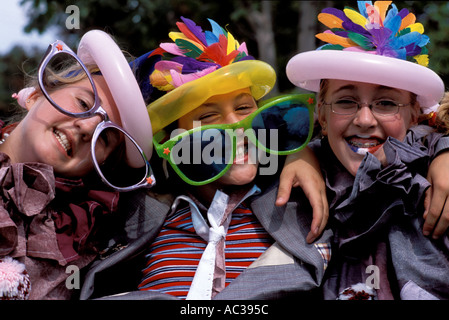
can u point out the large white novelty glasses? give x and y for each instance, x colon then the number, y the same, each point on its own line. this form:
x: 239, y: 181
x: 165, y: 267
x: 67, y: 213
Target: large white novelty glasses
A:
x: 61, y: 66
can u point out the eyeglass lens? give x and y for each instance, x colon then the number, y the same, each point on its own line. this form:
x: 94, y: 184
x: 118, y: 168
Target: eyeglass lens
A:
x: 380, y: 107
x: 63, y: 69
x: 283, y: 127
x: 111, y: 142
x: 110, y: 153
x: 204, y: 154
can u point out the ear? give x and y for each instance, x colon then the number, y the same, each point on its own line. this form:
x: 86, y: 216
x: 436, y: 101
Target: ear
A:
x: 322, y: 119
x: 31, y: 100
x: 416, y: 110
x: 23, y: 96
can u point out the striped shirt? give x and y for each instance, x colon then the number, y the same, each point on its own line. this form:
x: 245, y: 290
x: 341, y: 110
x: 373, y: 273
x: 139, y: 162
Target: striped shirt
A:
x: 173, y: 257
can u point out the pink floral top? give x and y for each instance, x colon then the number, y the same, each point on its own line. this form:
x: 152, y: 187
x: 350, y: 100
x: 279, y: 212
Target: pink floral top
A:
x: 48, y: 224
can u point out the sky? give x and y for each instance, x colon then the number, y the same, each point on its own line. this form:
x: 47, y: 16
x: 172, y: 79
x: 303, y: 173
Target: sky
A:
x: 12, y: 22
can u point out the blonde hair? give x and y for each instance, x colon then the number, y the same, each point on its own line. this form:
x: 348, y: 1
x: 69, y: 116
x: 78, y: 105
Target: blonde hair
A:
x: 442, y: 115
x: 54, y: 80
x: 66, y: 74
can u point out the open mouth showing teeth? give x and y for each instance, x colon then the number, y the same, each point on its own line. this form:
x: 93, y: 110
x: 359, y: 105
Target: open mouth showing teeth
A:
x: 368, y: 144
x: 240, y: 153
x: 62, y: 138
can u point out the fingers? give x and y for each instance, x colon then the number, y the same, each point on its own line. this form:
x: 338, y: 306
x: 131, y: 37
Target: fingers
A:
x: 442, y: 225
x: 316, y: 194
x: 427, y: 198
x: 320, y: 209
x: 303, y: 170
x: 429, y: 219
x: 436, y: 213
x: 285, y: 188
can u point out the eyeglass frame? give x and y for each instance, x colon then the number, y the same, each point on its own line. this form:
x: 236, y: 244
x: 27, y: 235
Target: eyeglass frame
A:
x: 60, y: 47
x: 369, y: 105
x: 307, y: 99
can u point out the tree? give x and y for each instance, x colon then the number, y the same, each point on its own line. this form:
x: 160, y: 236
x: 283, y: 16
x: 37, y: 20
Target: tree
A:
x: 273, y: 30
x: 13, y: 68
x: 307, y: 26
x: 434, y: 16
x: 259, y: 16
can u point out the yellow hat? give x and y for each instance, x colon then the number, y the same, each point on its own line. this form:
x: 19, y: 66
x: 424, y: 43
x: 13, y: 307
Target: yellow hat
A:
x: 199, y: 65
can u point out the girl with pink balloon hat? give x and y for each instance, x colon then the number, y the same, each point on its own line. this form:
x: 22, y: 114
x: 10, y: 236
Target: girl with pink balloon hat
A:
x: 374, y: 88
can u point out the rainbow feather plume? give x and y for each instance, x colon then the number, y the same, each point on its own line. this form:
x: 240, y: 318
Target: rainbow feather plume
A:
x: 194, y: 53
x: 375, y: 29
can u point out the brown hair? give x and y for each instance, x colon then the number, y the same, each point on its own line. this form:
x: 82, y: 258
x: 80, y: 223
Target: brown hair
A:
x: 442, y: 115
x: 54, y: 81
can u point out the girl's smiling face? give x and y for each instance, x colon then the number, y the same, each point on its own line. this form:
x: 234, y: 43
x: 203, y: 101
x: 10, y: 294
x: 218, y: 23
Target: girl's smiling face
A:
x: 47, y: 136
x: 227, y: 109
x: 351, y: 136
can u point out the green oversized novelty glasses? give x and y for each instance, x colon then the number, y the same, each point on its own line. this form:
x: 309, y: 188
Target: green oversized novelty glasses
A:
x: 281, y: 126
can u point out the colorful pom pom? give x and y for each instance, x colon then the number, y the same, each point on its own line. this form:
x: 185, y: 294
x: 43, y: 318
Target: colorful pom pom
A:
x: 14, y: 280
x: 375, y: 29
x: 196, y: 53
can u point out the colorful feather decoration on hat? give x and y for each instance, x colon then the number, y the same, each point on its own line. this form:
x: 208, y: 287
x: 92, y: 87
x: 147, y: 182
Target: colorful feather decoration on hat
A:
x: 375, y: 29
x: 194, y: 53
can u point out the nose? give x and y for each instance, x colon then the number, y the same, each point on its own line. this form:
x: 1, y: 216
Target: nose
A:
x: 232, y: 117
x: 364, y: 117
x: 87, y: 126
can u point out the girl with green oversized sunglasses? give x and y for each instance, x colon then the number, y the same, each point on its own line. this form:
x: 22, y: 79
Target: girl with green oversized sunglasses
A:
x: 281, y: 126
